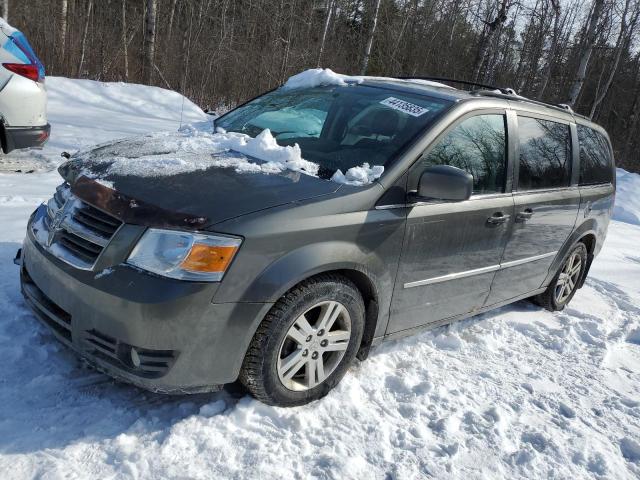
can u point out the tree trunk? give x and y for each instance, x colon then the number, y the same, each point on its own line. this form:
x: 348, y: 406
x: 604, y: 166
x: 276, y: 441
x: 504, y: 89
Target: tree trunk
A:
x: 367, y: 50
x: 62, y: 39
x: 149, y: 43
x: 5, y: 10
x: 172, y: 12
x: 555, y: 34
x: 125, y: 43
x: 85, y: 32
x: 585, y: 56
x: 327, y: 22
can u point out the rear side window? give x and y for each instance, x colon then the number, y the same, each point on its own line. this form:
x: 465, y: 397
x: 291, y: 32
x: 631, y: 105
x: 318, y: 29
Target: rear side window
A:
x: 476, y: 145
x: 596, y: 162
x: 545, y: 154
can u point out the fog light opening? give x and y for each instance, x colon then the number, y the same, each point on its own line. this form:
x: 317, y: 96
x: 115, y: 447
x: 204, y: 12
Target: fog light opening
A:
x: 135, y: 358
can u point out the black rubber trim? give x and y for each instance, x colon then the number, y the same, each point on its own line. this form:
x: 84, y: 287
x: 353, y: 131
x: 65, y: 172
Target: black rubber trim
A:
x: 25, y: 137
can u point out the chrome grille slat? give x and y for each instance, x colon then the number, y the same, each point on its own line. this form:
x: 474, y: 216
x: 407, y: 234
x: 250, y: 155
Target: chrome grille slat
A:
x: 84, y: 218
x: 83, y: 232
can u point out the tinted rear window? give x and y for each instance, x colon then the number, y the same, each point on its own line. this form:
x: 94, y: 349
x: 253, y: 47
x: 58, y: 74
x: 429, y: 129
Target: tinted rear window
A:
x: 545, y: 154
x: 596, y: 162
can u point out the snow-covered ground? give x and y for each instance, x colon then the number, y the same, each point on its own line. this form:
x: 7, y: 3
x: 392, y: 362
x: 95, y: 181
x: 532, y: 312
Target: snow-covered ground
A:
x: 515, y: 393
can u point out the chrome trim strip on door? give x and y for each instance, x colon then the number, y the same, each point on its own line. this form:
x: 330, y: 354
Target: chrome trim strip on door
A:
x: 477, y: 271
x: 453, y: 276
x: 514, y: 263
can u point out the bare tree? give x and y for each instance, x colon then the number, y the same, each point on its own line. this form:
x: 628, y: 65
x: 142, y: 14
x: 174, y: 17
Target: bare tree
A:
x: 555, y: 38
x: 149, y: 41
x: 325, y: 30
x: 587, y: 48
x: 125, y: 42
x: 491, y: 29
x: 63, y: 28
x: 5, y: 9
x: 83, y: 48
x: 372, y: 32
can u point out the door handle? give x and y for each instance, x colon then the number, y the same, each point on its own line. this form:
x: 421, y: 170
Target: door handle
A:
x: 524, y: 215
x: 498, y: 218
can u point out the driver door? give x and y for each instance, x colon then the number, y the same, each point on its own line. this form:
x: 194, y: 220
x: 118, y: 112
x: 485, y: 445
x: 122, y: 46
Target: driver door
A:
x: 451, y: 250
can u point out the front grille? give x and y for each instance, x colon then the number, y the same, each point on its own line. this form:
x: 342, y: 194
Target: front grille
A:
x: 150, y: 363
x: 79, y: 229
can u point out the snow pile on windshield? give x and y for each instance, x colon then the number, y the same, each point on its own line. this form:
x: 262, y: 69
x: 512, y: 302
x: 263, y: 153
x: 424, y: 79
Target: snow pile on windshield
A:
x: 358, y: 176
x: 166, y: 154
x: 317, y: 77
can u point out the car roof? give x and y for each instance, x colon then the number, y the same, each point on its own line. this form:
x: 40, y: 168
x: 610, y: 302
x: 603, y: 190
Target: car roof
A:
x: 440, y: 90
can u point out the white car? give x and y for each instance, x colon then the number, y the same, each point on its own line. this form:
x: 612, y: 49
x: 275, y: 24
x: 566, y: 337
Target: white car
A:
x: 23, y: 97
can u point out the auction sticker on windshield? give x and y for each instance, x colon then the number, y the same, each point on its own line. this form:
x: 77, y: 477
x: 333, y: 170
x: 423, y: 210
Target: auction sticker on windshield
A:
x: 406, y: 107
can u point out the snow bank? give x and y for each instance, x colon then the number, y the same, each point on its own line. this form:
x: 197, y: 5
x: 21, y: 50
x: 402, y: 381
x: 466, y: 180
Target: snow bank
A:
x: 627, y: 206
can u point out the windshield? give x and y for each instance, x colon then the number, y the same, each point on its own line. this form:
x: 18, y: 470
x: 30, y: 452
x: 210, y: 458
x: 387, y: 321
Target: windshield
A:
x: 338, y: 127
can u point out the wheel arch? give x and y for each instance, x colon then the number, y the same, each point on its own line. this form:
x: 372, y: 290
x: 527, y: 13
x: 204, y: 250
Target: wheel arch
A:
x: 586, y: 233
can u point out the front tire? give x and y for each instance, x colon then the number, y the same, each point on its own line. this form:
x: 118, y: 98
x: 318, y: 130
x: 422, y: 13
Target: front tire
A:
x: 306, y: 342
x: 565, y: 284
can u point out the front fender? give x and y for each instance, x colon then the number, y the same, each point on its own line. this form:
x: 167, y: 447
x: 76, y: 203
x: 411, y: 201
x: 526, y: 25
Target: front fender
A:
x: 310, y: 260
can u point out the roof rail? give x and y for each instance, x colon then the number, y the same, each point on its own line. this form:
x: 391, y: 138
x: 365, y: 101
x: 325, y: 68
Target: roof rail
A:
x: 513, y: 96
x: 503, y: 90
x: 500, y: 92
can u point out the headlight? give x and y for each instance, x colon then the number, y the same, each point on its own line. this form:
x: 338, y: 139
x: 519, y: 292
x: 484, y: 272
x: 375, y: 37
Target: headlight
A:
x: 183, y: 255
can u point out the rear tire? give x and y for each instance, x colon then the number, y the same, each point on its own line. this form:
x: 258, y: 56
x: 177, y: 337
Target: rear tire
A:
x: 306, y: 342
x: 566, y: 282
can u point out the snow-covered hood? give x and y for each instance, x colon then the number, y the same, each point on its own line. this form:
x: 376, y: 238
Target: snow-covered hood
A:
x: 188, y: 181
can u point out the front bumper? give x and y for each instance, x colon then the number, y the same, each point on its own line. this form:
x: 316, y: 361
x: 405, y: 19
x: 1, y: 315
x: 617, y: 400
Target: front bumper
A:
x: 25, y: 137
x: 183, y: 343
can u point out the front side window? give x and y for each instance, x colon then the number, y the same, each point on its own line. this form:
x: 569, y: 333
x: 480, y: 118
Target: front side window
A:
x: 545, y: 154
x: 596, y: 162
x: 477, y: 145
x: 338, y: 127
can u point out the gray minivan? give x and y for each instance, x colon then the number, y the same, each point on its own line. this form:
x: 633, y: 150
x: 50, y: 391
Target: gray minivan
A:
x: 182, y: 283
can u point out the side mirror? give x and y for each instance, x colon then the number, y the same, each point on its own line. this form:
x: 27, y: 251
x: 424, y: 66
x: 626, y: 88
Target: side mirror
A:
x: 445, y: 182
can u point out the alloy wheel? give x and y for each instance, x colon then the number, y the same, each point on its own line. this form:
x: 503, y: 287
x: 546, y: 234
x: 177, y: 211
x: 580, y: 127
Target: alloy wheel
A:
x: 568, y: 279
x: 314, y: 345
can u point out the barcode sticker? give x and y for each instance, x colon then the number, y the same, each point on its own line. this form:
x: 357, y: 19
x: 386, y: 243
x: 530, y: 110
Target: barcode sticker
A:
x: 406, y: 107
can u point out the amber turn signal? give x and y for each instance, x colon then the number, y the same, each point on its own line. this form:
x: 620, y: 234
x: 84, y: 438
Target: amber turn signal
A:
x: 209, y: 258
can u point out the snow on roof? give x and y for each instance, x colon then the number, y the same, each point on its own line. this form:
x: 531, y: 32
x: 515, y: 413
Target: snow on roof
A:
x: 317, y: 77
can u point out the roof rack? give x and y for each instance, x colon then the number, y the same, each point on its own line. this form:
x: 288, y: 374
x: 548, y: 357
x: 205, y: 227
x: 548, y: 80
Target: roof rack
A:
x: 514, y: 96
x: 503, y: 90
x: 499, y: 92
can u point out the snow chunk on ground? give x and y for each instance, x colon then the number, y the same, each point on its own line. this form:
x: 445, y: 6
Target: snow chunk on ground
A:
x: 627, y: 207
x: 317, y: 77
x: 358, y: 176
